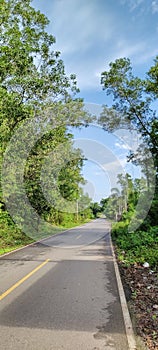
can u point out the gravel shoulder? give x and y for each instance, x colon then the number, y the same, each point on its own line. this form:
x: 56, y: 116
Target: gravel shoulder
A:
x: 141, y: 290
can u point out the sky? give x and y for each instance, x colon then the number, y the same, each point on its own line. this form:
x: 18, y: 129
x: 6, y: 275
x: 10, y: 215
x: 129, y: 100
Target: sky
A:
x: 90, y: 34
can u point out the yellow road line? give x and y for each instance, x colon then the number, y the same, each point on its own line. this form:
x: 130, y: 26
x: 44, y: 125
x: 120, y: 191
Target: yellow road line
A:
x: 8, y: 291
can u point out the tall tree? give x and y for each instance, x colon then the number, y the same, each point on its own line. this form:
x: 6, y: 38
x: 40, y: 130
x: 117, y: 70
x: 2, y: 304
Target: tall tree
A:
x: 31, y: 72
x: 132, y: 98
x: 132, y: 108
x: 34, y: 86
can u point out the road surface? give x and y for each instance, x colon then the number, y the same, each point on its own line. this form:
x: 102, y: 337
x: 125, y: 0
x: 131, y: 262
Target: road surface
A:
x: 62, y: 294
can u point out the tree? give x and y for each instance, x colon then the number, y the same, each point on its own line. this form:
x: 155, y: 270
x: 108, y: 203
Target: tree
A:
x: 103, y: 204
x: 31, y: 72
x: 132, y: 109
x: 34, y: 86
x: 152, y: 79
x: 96, y: 209
x: 123, y: 201
x: 132, y: 98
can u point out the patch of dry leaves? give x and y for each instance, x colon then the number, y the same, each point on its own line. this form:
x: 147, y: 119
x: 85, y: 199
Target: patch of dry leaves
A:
x: 141, y: 289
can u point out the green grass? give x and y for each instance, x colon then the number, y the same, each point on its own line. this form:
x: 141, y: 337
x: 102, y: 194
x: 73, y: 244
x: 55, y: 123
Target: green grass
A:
x: 9, y: 249
x: 12, y: 238
x: 136, y: 247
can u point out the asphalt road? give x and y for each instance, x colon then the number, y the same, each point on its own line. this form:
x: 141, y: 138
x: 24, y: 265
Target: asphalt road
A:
x: 69, y: 302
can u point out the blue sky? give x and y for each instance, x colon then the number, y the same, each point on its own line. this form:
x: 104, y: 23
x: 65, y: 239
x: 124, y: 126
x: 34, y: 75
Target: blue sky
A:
x: 90, y: 34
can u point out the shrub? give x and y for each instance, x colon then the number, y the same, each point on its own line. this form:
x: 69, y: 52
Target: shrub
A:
x: 136, y: 247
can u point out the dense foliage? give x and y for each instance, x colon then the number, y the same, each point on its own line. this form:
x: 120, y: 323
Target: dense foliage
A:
x: 33, y: 82
x: 132, y: 109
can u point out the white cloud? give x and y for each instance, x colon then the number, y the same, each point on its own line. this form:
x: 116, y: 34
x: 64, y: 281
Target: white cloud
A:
x: 133, y: 4
x: 85, y: 71
x: 147, y: 55
x: 88, y: 69
x: 126, y: 48
x: 83, y: 31
x: 128, y: 140
x: 154, y: 6
x: 141, y: 4
x: 78, y: 24
x: 122, y: 146
x: 100, y: 173
x: 116, y: 166
x: 91, y: 34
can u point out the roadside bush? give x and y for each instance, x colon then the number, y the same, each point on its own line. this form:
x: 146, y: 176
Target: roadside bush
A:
x: 136, y: 247
x: 119, y: 229
x: 10, y: 235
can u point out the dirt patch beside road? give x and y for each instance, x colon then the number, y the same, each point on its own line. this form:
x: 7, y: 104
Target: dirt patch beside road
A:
x: 141, y: 289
